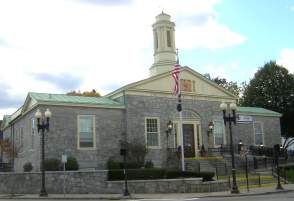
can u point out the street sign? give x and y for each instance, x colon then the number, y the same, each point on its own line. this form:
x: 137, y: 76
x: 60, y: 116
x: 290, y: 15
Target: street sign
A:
x: 64, y: 158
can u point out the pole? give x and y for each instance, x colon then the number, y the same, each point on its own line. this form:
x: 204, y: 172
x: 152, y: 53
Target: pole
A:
x: 43, y: 192
x: 234, y: 186
x: 64, y: 179
x: 126, y: 192
x: 182, y: 139
x: 279, y: 186
x: 246, y: 172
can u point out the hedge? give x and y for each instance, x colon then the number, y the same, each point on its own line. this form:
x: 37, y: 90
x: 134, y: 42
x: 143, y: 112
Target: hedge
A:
x: 156, y: 173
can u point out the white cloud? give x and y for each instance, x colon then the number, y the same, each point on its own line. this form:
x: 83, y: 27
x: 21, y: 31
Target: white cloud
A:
x: 287, y: 59
x: 104, y: 45
x: 216, y: 71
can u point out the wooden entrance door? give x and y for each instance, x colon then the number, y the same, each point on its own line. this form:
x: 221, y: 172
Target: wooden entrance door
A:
x: 189, y: 140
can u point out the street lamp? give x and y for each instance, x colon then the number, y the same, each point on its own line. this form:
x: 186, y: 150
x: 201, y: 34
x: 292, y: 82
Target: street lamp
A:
x: 168, y: 132
x: 209, y: 133
x: 231, y: 118
x: 124, y: 152
x: 240, y: 146
x: 43, y: 124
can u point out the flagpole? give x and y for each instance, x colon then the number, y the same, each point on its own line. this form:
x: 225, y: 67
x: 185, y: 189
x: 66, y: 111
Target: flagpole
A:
x: 179, y: 108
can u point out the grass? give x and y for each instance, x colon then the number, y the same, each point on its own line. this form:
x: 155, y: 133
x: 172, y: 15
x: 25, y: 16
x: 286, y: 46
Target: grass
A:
x: 205, y: 158
x: 250, y: 178
x: 290, y: 175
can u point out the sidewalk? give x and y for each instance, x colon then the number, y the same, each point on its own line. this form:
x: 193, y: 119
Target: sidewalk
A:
x: 243, y: 192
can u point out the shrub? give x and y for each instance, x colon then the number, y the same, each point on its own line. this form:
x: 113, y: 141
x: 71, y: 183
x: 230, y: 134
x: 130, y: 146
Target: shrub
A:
x: 52, y: 164
x: 112, y: 165
x: 27, y: 167
x: 136, y: 174
x: 157, y: 173
x: 149, y: 164
x: 72, y: 163
x: 136, y: 152
x: 207, y: 176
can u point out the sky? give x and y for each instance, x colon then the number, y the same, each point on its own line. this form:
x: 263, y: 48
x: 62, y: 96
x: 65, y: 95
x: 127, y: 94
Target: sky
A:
x: 56, y: 46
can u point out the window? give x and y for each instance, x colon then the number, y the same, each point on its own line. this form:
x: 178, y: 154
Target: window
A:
x: 32, y: 123
x: 258, y: 133
x: 86, y: 131
x: 152, y: 133
x: 168, y: 38
x: 156, y: 40
x: 218, y: 132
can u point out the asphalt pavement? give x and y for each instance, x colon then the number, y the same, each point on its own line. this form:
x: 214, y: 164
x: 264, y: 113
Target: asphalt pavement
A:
x: 256, y: 194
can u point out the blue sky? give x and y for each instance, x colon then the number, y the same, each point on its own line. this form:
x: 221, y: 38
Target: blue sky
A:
x: 61, y: 45
x: 268, y: 28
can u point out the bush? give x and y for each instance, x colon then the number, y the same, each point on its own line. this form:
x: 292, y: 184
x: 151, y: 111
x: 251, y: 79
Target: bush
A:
x: 112, y: 165
x: 27, y: 167
x: 72, y: 163
x: 207, y: 176
x: 52, y: 164
x: 136, y: 174
x: 156, y: 173
x: 149, y: 164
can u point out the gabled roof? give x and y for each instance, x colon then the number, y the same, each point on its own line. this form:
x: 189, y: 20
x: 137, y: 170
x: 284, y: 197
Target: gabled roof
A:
x: 257, y: 111
x: 6, y: 120
x: 34, y: 98
x: 156, y: 77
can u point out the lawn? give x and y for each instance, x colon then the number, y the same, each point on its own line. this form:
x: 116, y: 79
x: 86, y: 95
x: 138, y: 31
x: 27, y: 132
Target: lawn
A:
x: 290, y: 175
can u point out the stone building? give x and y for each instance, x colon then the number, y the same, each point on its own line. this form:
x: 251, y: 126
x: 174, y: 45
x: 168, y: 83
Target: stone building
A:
x: 91, y: 129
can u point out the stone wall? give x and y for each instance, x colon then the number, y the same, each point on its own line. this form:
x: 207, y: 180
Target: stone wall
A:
x: 63, y: 136
x: 194, y: 185
x: 96, y: 182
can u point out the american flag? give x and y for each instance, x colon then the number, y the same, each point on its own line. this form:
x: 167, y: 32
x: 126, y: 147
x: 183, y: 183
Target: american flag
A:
x: 175, y: 74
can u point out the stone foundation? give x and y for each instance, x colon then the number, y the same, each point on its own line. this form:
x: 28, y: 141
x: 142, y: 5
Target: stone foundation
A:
x: 83, y: 182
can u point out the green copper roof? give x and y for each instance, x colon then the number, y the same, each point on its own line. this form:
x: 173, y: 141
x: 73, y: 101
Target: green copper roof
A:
x: 258, y: 111
x: 62, y: 98
x: 6, y: 120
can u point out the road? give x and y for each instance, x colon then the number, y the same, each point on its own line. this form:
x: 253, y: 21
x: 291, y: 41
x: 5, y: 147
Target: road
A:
x: 270, y: 197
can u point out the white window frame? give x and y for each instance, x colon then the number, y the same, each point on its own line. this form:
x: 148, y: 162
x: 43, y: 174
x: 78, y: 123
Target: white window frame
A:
x: 94, y: 133
x: 224, y: 133
x: 262, y: 132
x: 32, y: 132
x: 158, y: 133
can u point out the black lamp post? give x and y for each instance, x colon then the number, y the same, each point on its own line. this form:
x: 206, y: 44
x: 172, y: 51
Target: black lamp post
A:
x: 240, y: 146
x: 123, y: 152
x: 168, y: 132
x: 209, y: 133
x: 43, y: 124
x: 277, y: 154
x: 231, y: 118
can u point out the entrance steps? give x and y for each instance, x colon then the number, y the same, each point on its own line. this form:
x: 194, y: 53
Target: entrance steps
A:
x: 208, y: 164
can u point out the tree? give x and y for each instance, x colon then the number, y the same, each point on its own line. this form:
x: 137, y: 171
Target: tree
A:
x: 273, y: 88
x: 92, y: 93
x: 230, y: 86
x: 7, y: 148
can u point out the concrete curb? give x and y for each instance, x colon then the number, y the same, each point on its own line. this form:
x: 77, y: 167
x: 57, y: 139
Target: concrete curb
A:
x: 120, y: 197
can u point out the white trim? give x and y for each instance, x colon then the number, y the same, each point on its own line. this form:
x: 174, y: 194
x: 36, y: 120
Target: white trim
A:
x: 78, y: 133
x: 179, y: 135
x: 262, y: 131
x: 224, y: 134
x: 158, y: 133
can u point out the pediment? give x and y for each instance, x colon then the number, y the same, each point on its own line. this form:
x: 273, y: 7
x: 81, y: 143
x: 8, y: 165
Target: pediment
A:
x: 192, y: 83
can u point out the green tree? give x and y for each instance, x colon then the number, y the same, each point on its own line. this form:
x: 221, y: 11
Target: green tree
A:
x: 273, y: 88
x: 230, y: 86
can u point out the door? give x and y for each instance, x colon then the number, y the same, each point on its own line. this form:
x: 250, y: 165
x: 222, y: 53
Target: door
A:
x: 189, y: 140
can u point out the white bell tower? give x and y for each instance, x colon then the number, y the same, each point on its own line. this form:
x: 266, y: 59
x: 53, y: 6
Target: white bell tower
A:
x: 164, y: 45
